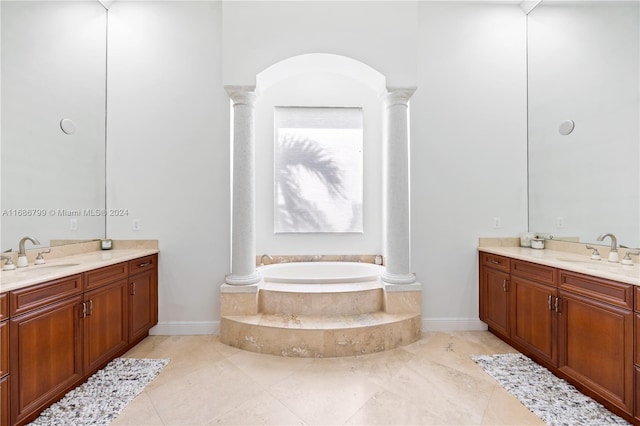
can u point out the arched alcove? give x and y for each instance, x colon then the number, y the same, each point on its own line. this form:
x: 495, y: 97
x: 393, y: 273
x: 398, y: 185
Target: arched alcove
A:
x: 395, y: 187
x: 248, y: 303
x: 331, y: 83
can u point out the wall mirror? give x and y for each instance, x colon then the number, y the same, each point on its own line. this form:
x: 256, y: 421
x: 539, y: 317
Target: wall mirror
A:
x: 583, y: 112
x: 53, y: 83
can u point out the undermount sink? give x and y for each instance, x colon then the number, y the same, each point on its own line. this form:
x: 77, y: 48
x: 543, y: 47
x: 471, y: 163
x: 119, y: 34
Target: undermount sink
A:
x: 44, y: 269
x: 577, y: 260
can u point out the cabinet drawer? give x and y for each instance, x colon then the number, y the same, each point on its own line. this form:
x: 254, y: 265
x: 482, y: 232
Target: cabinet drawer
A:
x: 612, y: 292
x: 494, y: 261
x: 106, y: 275
x: 143, y: 264
x: 535, y: 272
x: 28, y: 298
x: 4, y: 348
x: 4, y: 306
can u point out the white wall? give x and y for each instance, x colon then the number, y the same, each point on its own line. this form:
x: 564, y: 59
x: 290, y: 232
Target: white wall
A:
x: 168, y: 131
x: 168, y: 150
x: 468, y: 150
x: 381, y: 34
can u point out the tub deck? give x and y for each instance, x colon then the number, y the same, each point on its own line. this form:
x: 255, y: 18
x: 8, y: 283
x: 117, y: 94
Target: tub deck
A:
x: 320, y: 320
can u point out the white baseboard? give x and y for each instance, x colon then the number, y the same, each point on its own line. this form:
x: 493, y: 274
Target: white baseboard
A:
x: 185, y: 328
x: 453, y: 324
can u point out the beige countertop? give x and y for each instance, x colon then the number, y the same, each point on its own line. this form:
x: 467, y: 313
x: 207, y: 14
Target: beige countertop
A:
x: 66, y: 266
x: 572, y: 262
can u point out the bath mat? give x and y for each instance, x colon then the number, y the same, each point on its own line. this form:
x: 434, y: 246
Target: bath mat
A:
x: 552, y: 399
x: 101, y: 398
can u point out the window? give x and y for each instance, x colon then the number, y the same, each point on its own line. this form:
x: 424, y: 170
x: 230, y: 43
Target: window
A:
x: 318, y: 169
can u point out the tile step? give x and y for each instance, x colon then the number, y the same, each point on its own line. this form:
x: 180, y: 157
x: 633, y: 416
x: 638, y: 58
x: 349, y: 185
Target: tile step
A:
x: 320, y: 335
x: 320, y: 322
x: 365, y: 301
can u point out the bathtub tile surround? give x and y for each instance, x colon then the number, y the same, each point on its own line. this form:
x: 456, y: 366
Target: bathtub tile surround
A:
x: 319, y: 320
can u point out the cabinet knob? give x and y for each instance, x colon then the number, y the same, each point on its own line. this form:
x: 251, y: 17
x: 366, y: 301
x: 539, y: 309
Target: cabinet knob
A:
x: 133, y: 288
x: 549, y: 302
x: 557, y: 305
x: 142, y: 265
x: 504, y: 285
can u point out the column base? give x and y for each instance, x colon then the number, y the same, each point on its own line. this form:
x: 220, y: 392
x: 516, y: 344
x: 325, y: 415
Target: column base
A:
x: 242, y: 279
x: 389, y: 278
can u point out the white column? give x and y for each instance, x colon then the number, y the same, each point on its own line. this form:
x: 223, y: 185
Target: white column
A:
x: 243, y: 243
x: 397, y: 232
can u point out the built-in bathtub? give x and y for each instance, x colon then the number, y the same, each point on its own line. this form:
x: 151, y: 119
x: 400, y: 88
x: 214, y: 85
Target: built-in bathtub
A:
x: 321, y: 272
x: 319, y: 309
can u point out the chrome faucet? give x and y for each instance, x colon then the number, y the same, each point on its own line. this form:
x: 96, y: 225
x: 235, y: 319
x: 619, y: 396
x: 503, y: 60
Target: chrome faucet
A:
x: 262, y: 259
x: 613, y: 254
x: 22, y: 254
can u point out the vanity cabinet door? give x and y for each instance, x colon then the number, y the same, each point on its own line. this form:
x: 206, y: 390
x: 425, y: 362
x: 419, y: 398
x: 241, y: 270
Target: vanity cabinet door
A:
x: 494, y: 299
x: 4, y: 373
x: 4, y: 401
x: 596, y: 347
x: 46, y: 356
x: 533, y: 319
x: 105, y: 324
x: 143, y: 302
x: 4, y: 348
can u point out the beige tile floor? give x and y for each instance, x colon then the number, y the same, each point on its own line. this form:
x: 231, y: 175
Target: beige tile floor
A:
x: 430, y: 382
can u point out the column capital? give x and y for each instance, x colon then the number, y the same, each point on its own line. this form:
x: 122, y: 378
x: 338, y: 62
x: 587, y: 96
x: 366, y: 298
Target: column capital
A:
x: 398, y: 95
x: 242, y: 95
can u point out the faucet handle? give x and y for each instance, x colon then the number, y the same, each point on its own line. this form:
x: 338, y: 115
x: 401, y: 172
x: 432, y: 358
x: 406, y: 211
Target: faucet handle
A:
x: 626, y: 260
x: 596, y: 254
x: 8, y: 265
x: 40, y: 259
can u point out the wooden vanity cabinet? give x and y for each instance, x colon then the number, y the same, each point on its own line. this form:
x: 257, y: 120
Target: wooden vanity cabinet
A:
x: 4, y: 359
x: 62, y: 331
x: 494, y: 293
x: 636, y: 366
x: 580, y: 327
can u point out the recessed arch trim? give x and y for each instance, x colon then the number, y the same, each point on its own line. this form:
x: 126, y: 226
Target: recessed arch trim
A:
x: 321, y: 62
